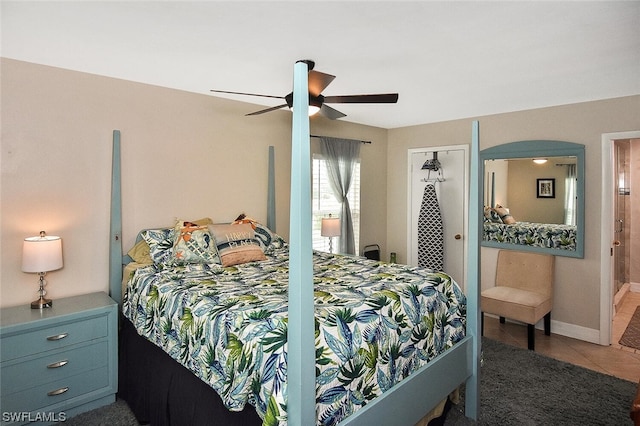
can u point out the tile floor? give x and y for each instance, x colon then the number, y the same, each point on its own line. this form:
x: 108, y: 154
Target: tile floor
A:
x: 615, y: 360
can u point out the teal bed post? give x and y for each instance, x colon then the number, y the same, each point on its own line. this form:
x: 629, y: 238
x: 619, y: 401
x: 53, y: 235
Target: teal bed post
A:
x: 301, y: 386
x: 115, y: 231
x: 271, y: 191
x: 472, y: 395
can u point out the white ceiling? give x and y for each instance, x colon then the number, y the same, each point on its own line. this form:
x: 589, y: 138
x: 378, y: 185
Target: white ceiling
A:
x: 447, y: 60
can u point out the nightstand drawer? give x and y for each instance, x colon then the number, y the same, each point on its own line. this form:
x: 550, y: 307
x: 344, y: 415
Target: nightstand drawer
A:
x: 52, y: 337
x: 44, y: 395
x: 24, y: 374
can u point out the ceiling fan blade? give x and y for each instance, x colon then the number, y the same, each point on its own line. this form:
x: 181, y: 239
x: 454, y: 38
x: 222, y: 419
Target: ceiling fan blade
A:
x: 383, y: 98
x: 318, y: 81
x: 262, y: 111
x: 247, y: 94
x: 331, y: 113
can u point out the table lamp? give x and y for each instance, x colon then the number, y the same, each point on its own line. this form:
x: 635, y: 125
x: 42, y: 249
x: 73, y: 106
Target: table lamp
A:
x: 330, y: 228
x: 41, y: 255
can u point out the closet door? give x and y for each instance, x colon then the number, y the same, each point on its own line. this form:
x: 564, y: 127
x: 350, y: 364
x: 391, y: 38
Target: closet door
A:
x: 452, y: 194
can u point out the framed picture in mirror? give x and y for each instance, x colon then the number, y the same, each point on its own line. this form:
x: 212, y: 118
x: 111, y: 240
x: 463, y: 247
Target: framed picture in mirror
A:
x: 546, y: 188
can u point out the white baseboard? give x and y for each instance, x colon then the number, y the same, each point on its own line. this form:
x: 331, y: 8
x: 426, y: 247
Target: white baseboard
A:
x: 573, y: 331
x: 590, y: 335
x: 634, y: 287
x: 619, y: 296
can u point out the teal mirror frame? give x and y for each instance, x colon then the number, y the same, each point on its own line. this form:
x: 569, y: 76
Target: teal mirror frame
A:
x: 542, y: 148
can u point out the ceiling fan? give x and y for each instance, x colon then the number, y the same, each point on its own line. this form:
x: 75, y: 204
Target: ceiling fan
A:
x: 318, y: 81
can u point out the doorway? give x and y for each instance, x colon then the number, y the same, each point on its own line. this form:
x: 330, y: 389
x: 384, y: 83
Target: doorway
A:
x: 620, y: 269
x: 621, y: 215
x: 452, y: 189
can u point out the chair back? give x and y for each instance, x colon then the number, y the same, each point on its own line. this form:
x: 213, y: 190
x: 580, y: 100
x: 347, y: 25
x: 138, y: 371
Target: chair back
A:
x: 526, y: 271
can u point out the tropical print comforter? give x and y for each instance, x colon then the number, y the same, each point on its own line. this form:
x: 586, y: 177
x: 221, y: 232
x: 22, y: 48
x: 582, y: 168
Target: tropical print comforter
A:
x: 375, y: 324
x: 561, y: 237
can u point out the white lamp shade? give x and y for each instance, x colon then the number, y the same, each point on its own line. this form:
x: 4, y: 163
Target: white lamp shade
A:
x: 330, y: 227
x: 41, y: 254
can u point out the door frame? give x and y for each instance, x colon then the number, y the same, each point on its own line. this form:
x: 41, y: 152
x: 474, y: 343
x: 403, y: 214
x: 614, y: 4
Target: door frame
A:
x: 606, y: 232
x: 465, y: 191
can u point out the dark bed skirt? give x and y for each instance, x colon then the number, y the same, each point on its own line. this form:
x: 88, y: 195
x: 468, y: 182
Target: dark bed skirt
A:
x: 160, y: 391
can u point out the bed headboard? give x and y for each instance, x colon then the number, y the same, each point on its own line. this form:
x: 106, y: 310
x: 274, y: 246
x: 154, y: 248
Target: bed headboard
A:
x: 116, y: 257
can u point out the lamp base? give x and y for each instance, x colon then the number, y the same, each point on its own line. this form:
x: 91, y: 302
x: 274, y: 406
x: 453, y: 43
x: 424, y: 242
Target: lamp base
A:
x: 41, y: 303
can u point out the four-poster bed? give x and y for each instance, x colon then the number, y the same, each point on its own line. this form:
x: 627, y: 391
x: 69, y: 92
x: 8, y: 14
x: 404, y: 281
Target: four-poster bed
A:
x: 407, y: 401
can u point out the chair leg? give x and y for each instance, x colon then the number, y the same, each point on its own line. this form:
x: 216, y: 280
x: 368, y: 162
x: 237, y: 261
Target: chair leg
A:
x: 531, y: 336
x: 547, y: 324
x: 481, y: 323
x: 502, y: 320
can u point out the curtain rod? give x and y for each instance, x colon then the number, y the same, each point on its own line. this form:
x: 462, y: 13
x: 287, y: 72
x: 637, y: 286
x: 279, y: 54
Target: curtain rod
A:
x: 316, y: 136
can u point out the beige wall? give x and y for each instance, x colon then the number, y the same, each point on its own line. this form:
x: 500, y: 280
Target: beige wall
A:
x: 184, y: 155
x: 191, y: 155
x: 515, y: 188
x: 577, y: 292
x: 524, y: 203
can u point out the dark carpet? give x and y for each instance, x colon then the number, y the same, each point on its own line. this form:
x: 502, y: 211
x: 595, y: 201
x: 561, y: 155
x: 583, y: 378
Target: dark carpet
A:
x: 116, y: 414
x: 631, y: 335
x: 517, y: 387
x: 521, y: 387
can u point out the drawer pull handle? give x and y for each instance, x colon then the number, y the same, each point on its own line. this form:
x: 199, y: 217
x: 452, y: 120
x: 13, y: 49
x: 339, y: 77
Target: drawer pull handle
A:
x: 58, y: 364
x: 58, y: 391
x: 58, y: 337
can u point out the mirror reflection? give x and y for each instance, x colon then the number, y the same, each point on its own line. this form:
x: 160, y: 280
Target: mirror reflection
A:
x: 534, y: 197
x: 539, y: 190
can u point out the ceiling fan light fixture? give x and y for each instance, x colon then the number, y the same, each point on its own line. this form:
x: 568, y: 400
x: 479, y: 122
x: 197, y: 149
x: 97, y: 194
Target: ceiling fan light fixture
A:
x: 314, y: 106
x: 313, y: 110
x: 315, y: 103
x: 318, y: 81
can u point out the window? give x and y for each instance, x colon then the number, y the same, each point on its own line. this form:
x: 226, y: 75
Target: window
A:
x: 325, y: 203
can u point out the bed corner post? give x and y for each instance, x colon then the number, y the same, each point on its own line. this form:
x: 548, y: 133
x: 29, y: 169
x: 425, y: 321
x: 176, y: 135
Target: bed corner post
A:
x: 472, y: 395
x: 115, y: 231
x: 271, y: 191
x: 301, y: 379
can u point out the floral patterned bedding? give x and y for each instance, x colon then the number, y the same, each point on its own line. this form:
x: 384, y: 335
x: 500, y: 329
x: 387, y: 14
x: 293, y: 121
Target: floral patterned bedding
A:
x: 375, y: 324
x: 561, y: 237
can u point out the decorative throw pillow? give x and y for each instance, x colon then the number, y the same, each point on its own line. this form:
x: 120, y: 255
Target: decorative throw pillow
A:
x: 504, y: 214
x: 160, y: 243
x: 491, y: 215
x: 193, y: 244
x: 268, y: 240
x: 140, y: 253
x: 236, y: 244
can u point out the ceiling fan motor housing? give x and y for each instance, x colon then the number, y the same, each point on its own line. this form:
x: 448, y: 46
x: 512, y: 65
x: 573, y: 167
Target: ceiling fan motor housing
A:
x: 313, y: 100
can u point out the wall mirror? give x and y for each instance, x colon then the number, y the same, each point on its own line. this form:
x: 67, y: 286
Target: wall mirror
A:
x: 534, y: 197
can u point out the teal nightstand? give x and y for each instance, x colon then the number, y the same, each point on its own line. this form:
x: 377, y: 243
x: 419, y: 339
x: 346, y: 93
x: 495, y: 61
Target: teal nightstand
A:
x: 58, y: 362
